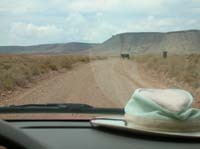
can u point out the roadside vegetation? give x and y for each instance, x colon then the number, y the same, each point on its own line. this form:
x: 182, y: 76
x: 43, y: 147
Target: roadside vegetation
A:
x: 182, y: 71
x: 20, y: 70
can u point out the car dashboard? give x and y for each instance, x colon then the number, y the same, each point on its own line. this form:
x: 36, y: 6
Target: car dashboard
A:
x: 81, y: 134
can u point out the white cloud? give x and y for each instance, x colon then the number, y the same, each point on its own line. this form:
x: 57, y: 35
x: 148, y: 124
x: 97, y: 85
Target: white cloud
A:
x: 20, y: 6
x: 79, y: 5
x: 44, y: 21
x: 100, y: 32
x: 27, y: 33
x: 153, y: 24
x: 195, y: 1
x: 122, y: 6
x: 78, y: 27
x: 87, y: 6
x: 150, y: 18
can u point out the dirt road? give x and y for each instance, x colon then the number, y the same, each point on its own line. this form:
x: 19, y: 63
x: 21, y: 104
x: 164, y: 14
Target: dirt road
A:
x: 104, y: 83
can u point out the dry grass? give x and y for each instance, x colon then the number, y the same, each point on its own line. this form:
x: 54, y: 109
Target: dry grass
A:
x: 184, y: 69
x: 19, y: 70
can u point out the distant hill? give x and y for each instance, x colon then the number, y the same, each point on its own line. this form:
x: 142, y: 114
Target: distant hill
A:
x: 151, y: 42
x: 187, y: 41
x: 68, y: 48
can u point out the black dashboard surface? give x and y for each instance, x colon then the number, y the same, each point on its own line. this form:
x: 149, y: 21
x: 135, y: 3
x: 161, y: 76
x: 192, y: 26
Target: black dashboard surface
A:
x: 81, y: 135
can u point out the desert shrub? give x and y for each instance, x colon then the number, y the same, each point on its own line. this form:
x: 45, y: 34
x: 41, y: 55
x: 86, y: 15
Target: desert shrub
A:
x: 8, y: 83
x: 36, y: 70
x: 184, y: 68
x: 19, y: 70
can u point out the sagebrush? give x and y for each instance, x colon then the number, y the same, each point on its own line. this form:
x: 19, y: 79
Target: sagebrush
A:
x: 184, y: 69
x: 19, y: 70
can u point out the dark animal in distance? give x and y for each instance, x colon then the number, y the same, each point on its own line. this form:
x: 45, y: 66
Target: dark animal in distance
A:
x: 125, y: 56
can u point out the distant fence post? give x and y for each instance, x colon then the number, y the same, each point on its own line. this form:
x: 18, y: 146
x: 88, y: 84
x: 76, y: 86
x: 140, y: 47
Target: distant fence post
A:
x: 164, y: 54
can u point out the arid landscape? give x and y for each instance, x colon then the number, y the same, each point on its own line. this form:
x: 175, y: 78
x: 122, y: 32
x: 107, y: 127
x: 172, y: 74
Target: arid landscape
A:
x: 95, y: 74
x: 107, y: 82
x: 184, y: 42
x: 176, y: 71
x: 102, y: 82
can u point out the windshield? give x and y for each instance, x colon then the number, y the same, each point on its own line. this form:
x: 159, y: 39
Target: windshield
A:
x: 97, y: 52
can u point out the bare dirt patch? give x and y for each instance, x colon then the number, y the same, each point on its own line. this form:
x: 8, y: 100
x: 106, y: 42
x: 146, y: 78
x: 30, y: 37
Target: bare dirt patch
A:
x: 102, y: 83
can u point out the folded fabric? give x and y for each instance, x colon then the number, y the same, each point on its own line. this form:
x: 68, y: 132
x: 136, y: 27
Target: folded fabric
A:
x: 164, y: 109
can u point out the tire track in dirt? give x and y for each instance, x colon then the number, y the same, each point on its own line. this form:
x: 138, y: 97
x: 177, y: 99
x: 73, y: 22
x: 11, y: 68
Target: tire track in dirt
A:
x: 101, y: 83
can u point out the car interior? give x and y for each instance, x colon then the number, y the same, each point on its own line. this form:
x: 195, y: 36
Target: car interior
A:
x: 100, y: 74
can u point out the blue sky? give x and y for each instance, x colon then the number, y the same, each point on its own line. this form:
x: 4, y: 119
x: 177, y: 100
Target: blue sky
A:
x: 26, y: 22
